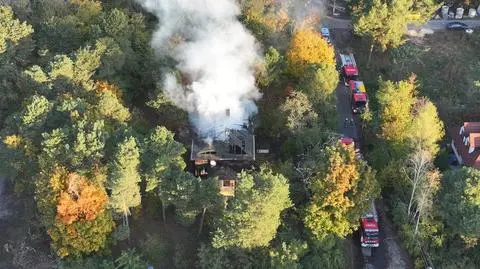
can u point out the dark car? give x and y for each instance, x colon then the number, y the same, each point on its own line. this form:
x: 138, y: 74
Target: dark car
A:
x: 457, y: 26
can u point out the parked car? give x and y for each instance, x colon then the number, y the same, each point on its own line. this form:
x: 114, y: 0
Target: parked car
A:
x: 326, y: 34
x: 456, y: 25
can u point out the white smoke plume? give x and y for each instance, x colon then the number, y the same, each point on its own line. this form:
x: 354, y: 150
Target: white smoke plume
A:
x: 216, y: 52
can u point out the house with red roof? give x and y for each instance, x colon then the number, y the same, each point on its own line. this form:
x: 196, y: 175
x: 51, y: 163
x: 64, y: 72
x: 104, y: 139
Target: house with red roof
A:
x: 466, y: 143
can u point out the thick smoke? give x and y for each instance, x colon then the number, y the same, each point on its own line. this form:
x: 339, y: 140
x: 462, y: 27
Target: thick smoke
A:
x: 217, y: 54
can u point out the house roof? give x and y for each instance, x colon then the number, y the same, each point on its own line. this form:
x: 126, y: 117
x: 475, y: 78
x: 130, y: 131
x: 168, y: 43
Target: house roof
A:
x: 239, y: 144
x: 470, y: 159
x: 474, y: 140
x: 471, y: 127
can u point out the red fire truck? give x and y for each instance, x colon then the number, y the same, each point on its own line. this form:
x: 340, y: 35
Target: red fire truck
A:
x: 369, y: 230
x: 359, y: 96
x: 349, y: 68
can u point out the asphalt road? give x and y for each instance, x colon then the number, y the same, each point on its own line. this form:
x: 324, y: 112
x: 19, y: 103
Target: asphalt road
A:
x: 341, y: 23
x: 390, y: 254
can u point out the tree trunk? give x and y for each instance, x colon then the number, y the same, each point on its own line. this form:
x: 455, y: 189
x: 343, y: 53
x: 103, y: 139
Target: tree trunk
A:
x: 201, y: 221
x: 411, y: 199
x: 125, y: 222
x: 416, y: 225
x: 334, y: 7
x: 370, y: 55
x: 163, y: 213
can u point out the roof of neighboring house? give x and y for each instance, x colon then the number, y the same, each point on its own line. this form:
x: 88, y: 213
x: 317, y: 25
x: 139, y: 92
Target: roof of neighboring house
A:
x: 471, y: 127
x: 470, y: 132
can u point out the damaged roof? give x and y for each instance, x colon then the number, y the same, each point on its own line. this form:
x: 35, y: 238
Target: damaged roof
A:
x: 239, y: 144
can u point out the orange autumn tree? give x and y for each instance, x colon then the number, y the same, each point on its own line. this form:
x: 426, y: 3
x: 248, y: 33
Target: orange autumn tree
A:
x: 308, y: 48
x: 74, y: 211
x: 81, y: 200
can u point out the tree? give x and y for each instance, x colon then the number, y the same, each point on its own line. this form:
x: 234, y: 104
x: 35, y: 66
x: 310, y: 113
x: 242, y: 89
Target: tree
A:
x: 124, y: 178
x: 407, y: 120
x: 427, y: 129
x: 321, y: 81
x: 81, y: 237
x: 178, y: 189
x: 73, y: 209
x: 425, y: 196
x: 264, y: 16
x: 271, y: 68
x: 217, y: 258
x: 342, y: 188
x: 308, y: 48
x: 327, y: 253
x: 129, y: 259
x: 11, y: 29
x: 207, y: 196
x: 110, y: 103
x: 81, y: 200
x: 253, y: 216
x: 385, y: 22
x: 298, y: 112
x: 460, y: 201
x: 395, y: 103
x: 418, y: 165
x: 287, y: 256
x: 160, y: 152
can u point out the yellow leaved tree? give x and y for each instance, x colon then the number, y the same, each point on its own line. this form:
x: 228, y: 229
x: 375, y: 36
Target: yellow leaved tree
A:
x: 308, y: 48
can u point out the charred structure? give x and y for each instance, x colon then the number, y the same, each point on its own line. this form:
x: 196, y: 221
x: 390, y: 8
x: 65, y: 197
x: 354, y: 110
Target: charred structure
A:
x: 223, y: 156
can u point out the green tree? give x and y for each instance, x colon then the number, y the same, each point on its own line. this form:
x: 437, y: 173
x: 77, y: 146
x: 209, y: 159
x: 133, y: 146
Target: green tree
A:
x: 407, y: 121
x: 81, y: 237
x: 253, y: 216
x: 130, y: 259
x: 87, y: 262
x: 178, y: 189
x: 385, y: 22
x: 288, y: 255
x: 114, y: 23
x: 11, y: 29
x: 460, y: 201
x: 321, y: 81
x: 395, y: 106
x: 271, y: 68
x: 124, y: 178
x: 327, y: 253
x: 342, y: 188
x: 427, y: 129
x: 207, y: 196
x: 160, y: 152
x: 298, y: 112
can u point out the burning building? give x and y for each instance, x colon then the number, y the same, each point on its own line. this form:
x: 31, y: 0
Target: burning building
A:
x: 216, y: 57
x: 224, y: 158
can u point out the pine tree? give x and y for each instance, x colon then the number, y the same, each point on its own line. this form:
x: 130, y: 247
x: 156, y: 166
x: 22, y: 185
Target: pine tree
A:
x: 124, y: 178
